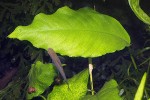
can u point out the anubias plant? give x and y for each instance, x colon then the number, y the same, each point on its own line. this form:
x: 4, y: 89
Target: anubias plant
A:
x: 85, y: 33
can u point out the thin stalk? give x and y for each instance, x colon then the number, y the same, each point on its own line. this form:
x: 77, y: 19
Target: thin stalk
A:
x: 42, y: 97
x: 91, y: 77
x: 134, y: 64
x: 128, y: 71
x: 133, y: 60
x: 145, y: 61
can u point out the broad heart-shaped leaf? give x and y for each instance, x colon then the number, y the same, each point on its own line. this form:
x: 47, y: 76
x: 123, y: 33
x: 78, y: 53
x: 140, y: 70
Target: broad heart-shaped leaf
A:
x: 108, y: 92
x: 135, y: 6
x: 41, y: 77
x: 76, y: 90
x: 84, y: 32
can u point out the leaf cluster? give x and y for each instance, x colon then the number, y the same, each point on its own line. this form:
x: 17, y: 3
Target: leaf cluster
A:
x: 126, y: 67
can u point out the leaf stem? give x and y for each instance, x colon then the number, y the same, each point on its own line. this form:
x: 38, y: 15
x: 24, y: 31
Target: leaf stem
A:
x: 133, y: 61
x: 42, y: 97
x: 91, y: 77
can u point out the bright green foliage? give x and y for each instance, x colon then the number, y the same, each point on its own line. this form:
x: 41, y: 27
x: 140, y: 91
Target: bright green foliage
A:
x: 76, y: 90
x: 41, y: 77
x: 139, y: 93
x: 134, y: 4
x: 84, y: 32
x: 108, y: 92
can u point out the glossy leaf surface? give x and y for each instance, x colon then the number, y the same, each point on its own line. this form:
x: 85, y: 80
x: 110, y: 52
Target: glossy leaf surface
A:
x: 41, y: 77
x: 76, y: 90
x: 84, y: 32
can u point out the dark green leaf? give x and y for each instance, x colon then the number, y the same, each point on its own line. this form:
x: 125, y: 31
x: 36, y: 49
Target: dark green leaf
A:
x: 41, y: 77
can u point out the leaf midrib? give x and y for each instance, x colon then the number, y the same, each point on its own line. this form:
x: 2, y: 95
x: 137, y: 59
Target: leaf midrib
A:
x: 46, y: 31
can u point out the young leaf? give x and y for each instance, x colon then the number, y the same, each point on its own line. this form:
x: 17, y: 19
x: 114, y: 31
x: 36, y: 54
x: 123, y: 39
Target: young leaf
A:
x: 139, y: 93
x: 134, y: 4
x: 84, y: 32
x: 76, y: 90
x: 108, y: 92
x: 41, y: 77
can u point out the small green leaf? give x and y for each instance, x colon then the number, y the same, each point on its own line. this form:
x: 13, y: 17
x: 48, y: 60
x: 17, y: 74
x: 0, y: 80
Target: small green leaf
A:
x: 139, y: 93
x: 84, y: 32
x: 108, y: 92
x: 41, y: 77
x: 76, y: 90
x: 134, y: 4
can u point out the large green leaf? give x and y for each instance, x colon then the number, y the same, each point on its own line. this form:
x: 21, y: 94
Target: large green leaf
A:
x: 84, y: 32
x: 41, y: 77
x: 135, y: 6
x: 108, y: 92
x: 76, y: 90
